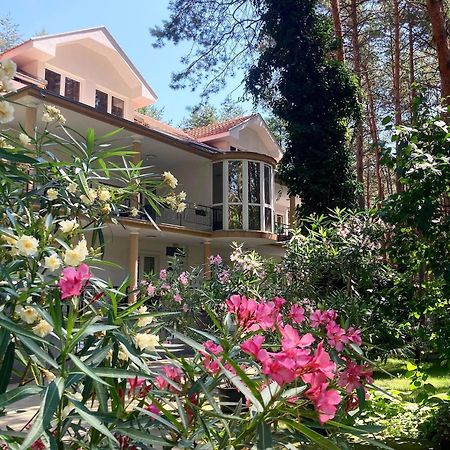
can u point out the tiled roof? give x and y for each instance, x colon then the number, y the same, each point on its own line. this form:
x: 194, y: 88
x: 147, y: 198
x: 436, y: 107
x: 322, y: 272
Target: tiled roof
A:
x: 161, y: 126
x: 216, y: 128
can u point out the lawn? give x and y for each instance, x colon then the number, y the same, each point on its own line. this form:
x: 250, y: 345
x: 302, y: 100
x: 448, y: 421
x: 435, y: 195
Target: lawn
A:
x: 439, y: 376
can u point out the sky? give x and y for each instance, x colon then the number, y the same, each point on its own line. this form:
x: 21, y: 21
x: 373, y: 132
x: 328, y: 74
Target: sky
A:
x: 129, y: 22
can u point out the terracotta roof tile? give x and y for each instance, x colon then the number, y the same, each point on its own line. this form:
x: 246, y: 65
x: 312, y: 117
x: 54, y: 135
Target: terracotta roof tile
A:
x: 161, y: 126
x: 216, y: 128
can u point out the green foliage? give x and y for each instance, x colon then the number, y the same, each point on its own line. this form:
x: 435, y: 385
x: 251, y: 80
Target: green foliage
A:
x: 419, y: 221
x: 9, y: 33
x: 436, y: 428
x: 153, y: 111
x: 299, y: 79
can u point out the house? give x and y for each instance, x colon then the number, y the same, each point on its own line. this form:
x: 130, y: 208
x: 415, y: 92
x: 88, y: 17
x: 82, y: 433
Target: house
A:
x: 227, y: 169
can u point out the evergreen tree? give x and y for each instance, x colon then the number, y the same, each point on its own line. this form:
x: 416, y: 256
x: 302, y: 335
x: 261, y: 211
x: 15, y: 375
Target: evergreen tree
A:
x: 316, y: 95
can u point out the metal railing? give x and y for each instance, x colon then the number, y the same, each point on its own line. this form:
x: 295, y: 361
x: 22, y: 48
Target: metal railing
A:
x: 283, y: 232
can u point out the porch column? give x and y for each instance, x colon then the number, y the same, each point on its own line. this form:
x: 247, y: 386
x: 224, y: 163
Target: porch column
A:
x: 206, y: 255
x: 133, y: 256
x: 291, y: 211
x: 30, y: 120
x: 136, y: 158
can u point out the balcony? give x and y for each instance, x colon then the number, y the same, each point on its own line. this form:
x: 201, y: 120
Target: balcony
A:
x: 283, y: 232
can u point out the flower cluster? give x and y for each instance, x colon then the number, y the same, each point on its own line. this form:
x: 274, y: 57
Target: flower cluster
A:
x: 299, y: 358
x: 53, y: 115
x: 7, y: 73
x: 176, y: 202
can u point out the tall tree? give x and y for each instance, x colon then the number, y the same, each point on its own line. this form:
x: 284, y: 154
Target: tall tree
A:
x: 337, y: 24
x: 9, y: 33
x: 298, y: 77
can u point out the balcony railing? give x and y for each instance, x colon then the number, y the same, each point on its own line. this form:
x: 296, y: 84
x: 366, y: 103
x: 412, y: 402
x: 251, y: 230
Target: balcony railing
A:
x: 283, y: 232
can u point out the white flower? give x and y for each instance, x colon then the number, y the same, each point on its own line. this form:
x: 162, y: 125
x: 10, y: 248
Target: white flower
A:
x: 66, y: 226
x: 89, y: 199
x: 6, y: 112
x: 7, y: 86
x: 8, y: 69
x: 146, y: 341
x: 49, y: 376
x: 106, y: 209
x: 27, y: 245
x: 134, y: 212
x: 104, y: 195
x: 75, y: 256
x: 29, y: 315
x: 122, y: 356
x: 52, y: 194
x: 182, y: 195
x: 72, y: 188
x: 42, y: 329
x: 170, y: 180
x: 52, y: 262
x: 144, y: 321
x: 24, y: 139
x: 181, y: 207
x: 52, y: 114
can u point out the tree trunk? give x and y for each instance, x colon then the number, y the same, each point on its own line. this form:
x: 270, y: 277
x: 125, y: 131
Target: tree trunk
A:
x: 336, y: 14
x: 441, y: 40
x: 374, y: 134
x: 412, y: 76
x: 396, y: 74
x: 357, y: 70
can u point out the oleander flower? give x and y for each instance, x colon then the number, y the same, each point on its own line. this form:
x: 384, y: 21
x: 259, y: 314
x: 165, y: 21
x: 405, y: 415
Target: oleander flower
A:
x: 73, y: 281
x: 53, y: 114
x: 52, y: 262
x: 146, y: 320
x: 89, y: 198
x: 134, y: 212
x: 6, y: 112
x: 52, y: 194
x: 182, y: 195
x: 151, y: 290
x: 72, y: 188
x: 146, y: 341
x: 67, y: 226
x: 75, y: 256
x: 104, y: 195
x: 181, y: 207
x: 24, y: 139
x: 27, y: 245
x: 170, y: 180
x: 28, y: 315
x: 106, y: 208
x: 42, y: 329
x: 8, y: 69
x: 49, y: 376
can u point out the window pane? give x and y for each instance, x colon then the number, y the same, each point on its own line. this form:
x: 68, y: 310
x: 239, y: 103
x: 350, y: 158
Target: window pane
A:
x: 235, y: 182
x: 101, y: 101
x: 218, y: 183
x: 72, y: 89
x: 268, y: 219
x: 253, y: 183
x: 235, y: 217
x: 117, y: 107
x: 218, y: 218
x: 254, y: 218
x: 53, y: 81
x: 267, y: 185
x: 149, y: 264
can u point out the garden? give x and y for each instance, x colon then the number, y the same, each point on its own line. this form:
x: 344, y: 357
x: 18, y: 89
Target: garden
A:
x: 342, y: 343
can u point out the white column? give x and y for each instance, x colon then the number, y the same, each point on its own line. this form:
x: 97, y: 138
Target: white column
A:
x: 225, y: 195
x: 245, y: 195
x: 133, y: 261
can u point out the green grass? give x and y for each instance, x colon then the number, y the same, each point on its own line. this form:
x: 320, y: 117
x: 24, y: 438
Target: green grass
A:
x: 439, y: 376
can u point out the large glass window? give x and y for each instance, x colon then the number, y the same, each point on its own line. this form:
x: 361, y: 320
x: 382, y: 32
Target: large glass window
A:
x: 117, y: 106
x: 72, y: 89
x: 53, y: 81
x: 242, y: 195
x: 101, y: 101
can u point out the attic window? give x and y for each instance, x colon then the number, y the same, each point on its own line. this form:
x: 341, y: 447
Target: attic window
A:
x: 101, y: 101
x: 117, y: 106
x: 233, y: 149
x: 53, y: 81
x: 72, y: 89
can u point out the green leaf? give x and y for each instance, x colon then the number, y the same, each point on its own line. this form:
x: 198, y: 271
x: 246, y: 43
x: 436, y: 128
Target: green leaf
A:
x: 264, y: 435
x: 91, y: 419
x: 16, y: 157
x: 18, y: 330
x: 39, y: 352
x: 5, y: 371
x: 410, y: 367
x: 142, y: 436
x: 51, y: 400
x: 85, y: 369
x: 111, y: 372
x: 18, y: 393
x: 312, y: 435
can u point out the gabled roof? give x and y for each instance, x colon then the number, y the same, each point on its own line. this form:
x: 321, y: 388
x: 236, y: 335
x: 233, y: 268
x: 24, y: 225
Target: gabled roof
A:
x: 47, y: 44
x: 217, y: 128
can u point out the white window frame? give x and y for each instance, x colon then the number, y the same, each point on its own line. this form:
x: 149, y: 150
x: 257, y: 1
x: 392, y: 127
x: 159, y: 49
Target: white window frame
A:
x: 62, y: 85
x: 142, y: 255
x: 110, y: 95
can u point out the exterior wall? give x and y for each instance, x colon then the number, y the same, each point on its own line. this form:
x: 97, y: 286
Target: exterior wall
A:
x: 281, y: 202
x: 196, y: 180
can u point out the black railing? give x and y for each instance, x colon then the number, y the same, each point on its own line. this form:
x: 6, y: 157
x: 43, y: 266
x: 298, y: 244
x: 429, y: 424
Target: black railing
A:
x: 283, y: 232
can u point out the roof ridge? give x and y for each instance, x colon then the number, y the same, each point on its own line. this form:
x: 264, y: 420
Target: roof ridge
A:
x: 217, y: 127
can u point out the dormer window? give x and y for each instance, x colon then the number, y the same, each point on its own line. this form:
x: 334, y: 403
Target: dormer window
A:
x: 62, y: 85
x: 72, y: 89
x: 101, y: 101
x: 109, y: 104
x: 117, y: 106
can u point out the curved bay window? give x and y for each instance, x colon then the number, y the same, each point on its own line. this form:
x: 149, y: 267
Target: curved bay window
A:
x: 242, y: 195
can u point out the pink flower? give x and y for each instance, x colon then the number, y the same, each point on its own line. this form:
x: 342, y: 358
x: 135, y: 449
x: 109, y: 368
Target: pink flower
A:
x: 73, y: 280
x: 354, y: 335
x: 245, y: 310
x: 134, y: 384
x: 354, y: 376
x: 267, y: 315
x: 253, y: 345
x: 211, y: 365
x: 163, y: 274
x: 183, y: 279
x: 336, y: 336
x: 153, y: 409
x: 318, y: 317
x: 177, y: 297
x: 215, y: 260
x: 224, y: 277
x: 172, y: 373
x: 151, y: 290
x: 325, y: 401
x: 165, y: 287
x: 185, y: 308
x: 291, y: 338
x: 212, y: 347
x: 297, y: 314
x: 319, y: 368
x: 280, y: 368
x: 279, y: 302
x: 37, y: 445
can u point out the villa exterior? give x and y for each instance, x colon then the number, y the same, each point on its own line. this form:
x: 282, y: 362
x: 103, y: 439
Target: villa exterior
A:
x: 226, y: 169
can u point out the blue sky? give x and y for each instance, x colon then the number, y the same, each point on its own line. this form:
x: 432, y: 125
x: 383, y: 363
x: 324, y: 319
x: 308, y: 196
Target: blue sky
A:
x: 129, y: 23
